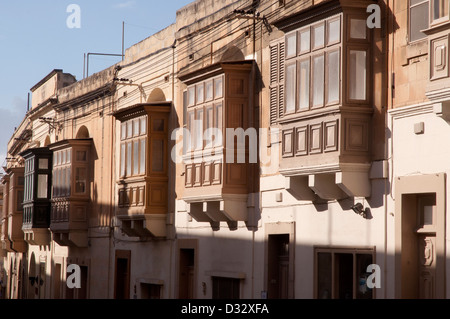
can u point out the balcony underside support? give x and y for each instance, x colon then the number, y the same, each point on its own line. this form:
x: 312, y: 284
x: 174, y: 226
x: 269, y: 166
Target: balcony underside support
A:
x: 324, y: 185
x: 298, y: 187
x: 37, y: 237
x: 72, y: 238
x: 145, y: 226
x: 228, y: 208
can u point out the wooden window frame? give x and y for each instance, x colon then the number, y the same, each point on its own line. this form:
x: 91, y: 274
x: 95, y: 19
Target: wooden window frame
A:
x: 410, y: 7
x: 207, y: 104
x: 133, y: 139
x: 445, y: 18
x: 303, y: 55
x: 341, y: 250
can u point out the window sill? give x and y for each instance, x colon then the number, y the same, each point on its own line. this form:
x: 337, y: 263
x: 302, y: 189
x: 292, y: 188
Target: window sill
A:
x: 437, y: 27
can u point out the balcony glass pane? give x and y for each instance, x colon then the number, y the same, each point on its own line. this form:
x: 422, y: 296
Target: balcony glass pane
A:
x: 43, y: 163
x: 209, y: 90
x: 199, y: 130
x: 200, y: 93
x: 305, y: 41
x: 129, y: 154
x: 290, y: 87
x: 319, y: 81
x: 142, y: 156
x: 358, y: 29
x: 319, y: 36
x: 334, y: 31
x: 135, y: 157
x: 122, y: 159
x: 80, y: 180
x: 333, y: 76
x: 358, y: 76
x: 143, y: 121
x: 304, y: 83
x: 191, y: 96
x: 42, y: 190
x: 218, y: 87
x: 218, y: 141
x: 291, y: 45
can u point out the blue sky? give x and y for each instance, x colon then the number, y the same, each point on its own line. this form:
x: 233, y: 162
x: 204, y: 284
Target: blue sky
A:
x: 35, y: 39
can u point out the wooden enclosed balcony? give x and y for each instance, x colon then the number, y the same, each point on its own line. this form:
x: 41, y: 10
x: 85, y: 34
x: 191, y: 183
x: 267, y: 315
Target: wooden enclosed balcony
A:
x: 143, y: 180
x: 322, y: 100
x: 219, y: 109
x: 70, y: 204
x: 12, y: 234
x: 36, y: 205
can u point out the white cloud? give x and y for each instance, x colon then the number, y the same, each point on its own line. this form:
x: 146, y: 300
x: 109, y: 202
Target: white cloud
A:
x: 123, y: 5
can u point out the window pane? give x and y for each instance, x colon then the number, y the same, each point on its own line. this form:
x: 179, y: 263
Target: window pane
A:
x: 199, y: 130
x: 305, y: 41
x: 69, y: 179
x: 136, y: 127
x: 69, y: 156
x: 122, y: 159
x: 200, y: 93
x: 218, y: 87
x: 42, y: 186
x: 128, y: 172
x: 142, y: 157
x: 319, y: 36
x: 209, y: 90
x: 357, y: 75
x: 80, y: 180
x: 418, y: 21
x: 318, y: 85
x: 43, y: 163
x: 129, y: 129
x: 64, y: 181
x: 136, y: 157
x: 291, y: 45
x: 143, y: 121
x: 440, y: 9
x: 188, y: 139
x: 344, y: 275
x: 191, y: 96
x: 333, y: 76
x: 304, y: 84
x: 324, y: 276
x: 123, y: 134
x: 290, y: 87
x: 358, y: 29
x: 334, y: 31
x: 158, y: 155
x: 362, y: 262
x: 209, y: 126
x: 219, y: 125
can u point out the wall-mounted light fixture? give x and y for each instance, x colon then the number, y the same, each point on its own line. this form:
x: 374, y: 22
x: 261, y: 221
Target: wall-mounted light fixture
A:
x: 358, y: 208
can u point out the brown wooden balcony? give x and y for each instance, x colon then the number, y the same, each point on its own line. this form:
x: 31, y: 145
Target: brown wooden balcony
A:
x: 12, y: 234
x: 218, y: 98
x: 36, y: 205
x: 143, y: 170
x: 70, y: 203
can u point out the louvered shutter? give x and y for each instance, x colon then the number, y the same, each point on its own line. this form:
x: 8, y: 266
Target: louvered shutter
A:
x: 276, y: 81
